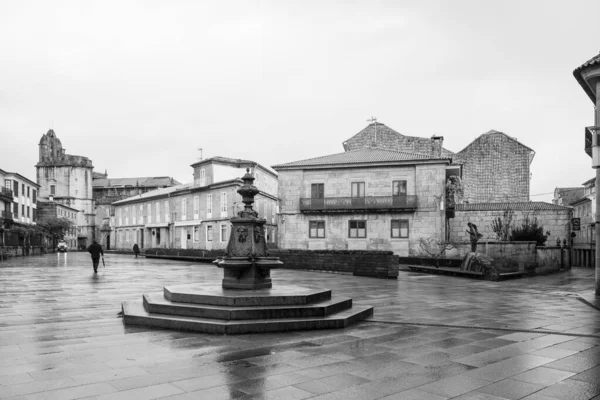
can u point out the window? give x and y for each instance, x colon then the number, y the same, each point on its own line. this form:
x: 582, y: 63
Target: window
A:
x: 23, y: 210
x: 223, y: 233
x: 16, y: 210
x: 184, y: 209
x: 8, y: 184
x: 317, y: 194
x: 209, y: 206
x: 399, y: 188
x: 141, y: 216
x: 202, y: 178
x: 133, y: 219
x: 358, y: 189
x: 127, y: 218
x: 34, y: 196
x: 316, y: 229
x: 16, y: 188
x: 28, y: 191
x: 149, y: 213
x: 23, y: 189
x: 34, y: 212
x: 209, y: 233
x: 399, y: 228
x: 223, y: 202
x: 357, y: 229
x: 27, y: 211
x: 157, y: 206
x: 197, y: 207
x: 358, y: 194
x: 120, y: 216
x: 196, y: 233
x: 167, y: 216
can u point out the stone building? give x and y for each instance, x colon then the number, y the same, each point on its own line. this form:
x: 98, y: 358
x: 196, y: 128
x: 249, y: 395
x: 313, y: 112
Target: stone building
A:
x: 106, y: 191
x: 67, y: 179
x: 195, y: 215
x: 565, y: 196
x: 51, y: 209
x: 584, y: 241
x: 363, y: 199
x: 494, y: 167
x: 18, y: 199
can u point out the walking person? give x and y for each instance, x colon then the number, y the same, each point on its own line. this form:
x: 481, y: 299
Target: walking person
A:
x: 95, y: 250
x: 136, y: 250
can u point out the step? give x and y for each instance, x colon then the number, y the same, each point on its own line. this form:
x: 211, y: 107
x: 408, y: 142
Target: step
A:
x: 211, y: 294
x: 157, y: 303
x: 135, y: 314
x: 444, y: 269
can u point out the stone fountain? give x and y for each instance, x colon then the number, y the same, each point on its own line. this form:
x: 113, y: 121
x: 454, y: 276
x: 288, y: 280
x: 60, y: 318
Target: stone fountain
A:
x: 246, y: 300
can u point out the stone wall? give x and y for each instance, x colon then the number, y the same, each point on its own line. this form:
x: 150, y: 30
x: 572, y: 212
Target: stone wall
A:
x: 424, y: 181
x: 507, y: 256
x: 556, y: 221
x: 495, y: 169
x: 551, y: 259
x: 378, y: 264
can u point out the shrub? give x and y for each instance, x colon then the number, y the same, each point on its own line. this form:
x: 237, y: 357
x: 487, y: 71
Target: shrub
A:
x: 502, y: 226
x: 529, y: 230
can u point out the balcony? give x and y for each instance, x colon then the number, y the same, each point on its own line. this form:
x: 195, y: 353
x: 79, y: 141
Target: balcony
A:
x: 373, y: 204
x: 6, y: 194
x: 6, y: 215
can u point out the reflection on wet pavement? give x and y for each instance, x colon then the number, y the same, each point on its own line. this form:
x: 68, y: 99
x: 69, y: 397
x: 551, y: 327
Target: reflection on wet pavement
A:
x: 438, y: 337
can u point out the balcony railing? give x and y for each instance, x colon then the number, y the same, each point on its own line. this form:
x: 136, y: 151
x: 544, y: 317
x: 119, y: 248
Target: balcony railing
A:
x: 6, y: 215
x: 360, y: 204
x: 5, y: 192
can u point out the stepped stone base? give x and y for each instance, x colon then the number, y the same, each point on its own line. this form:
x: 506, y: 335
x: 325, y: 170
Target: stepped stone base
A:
x: 213, y: 309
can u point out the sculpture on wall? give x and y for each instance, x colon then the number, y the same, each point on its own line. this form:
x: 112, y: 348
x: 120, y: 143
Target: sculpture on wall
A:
x: 474, y: 236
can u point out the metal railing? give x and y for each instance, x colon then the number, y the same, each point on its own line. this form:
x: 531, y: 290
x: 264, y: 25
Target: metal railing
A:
x: 6, y: 192
x: 368, y: 203
x: 6, y: 215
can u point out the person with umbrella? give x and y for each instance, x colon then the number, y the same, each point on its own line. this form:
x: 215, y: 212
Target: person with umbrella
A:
x: 96, y: 250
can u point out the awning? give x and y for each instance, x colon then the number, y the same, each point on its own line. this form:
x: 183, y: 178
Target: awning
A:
x: 157, y: 225
x: 188, y: 223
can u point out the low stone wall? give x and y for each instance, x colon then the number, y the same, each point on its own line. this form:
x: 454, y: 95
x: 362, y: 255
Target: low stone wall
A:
x: 17, y: 251
x: 556, y: 222
x: 551, y: 259
x: 378, y: 264
x: 507, y: 256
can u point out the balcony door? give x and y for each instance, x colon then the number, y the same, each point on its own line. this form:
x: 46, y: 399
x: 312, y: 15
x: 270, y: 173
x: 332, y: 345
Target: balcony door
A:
x: 399, y: 193
x: 317, y: 195
x: 358, y: 194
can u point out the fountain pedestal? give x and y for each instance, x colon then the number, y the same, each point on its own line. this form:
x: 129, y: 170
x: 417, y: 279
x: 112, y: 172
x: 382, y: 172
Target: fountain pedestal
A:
x: 246, y: 301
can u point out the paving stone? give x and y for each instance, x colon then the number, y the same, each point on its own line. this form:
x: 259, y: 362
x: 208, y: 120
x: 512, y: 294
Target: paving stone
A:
x: 61, y: 337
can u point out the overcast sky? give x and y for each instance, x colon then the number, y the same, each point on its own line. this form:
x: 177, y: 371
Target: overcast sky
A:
x: 139, y: 87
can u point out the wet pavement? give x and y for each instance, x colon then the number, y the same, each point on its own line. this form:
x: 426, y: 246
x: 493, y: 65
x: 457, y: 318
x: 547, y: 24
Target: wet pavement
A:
x: 430, y: 338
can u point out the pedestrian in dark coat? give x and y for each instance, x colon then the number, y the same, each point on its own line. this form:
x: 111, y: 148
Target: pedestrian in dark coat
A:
x: 136, y: 250
x: 95, y: 250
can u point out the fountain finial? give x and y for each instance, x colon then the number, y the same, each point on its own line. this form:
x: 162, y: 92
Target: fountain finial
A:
x: 248, y: 191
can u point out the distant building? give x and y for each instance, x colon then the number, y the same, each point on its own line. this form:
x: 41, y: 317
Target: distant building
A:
x: 51, y: 209
x: 565, y: 196
x: 363, y: 199
x: 18, y: 199
x: 67, y: 179
x: 494, y: 167
x: 584, y: 241
x: 106, y: 191
x: 195, y: 215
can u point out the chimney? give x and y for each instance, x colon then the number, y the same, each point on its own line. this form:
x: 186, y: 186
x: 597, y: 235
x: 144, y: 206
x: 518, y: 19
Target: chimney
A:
x: 436, y: 146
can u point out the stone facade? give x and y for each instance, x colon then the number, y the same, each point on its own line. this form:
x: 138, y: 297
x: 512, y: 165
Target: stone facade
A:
x: 194, y: 215
x: 555, y: 219
x: 424, y: 179
x: 67, y: 179
x: 495, y: 169
x: 18, y: 199
x: 495, y: 166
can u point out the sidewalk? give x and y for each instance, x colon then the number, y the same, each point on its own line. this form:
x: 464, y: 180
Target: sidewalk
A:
x: 431, y: 337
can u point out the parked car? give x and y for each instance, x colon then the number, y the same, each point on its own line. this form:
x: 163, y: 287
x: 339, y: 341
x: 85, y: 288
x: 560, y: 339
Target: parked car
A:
x: 62, y: 246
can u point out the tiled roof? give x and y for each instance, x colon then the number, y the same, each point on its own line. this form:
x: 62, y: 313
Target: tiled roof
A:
x: 580, y: 200
x: 376, y: 131
x: 138, y: 181
x: 577, y: 74
x: 154, y: 193
x: 517, y: 206
x: 359, y: 157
